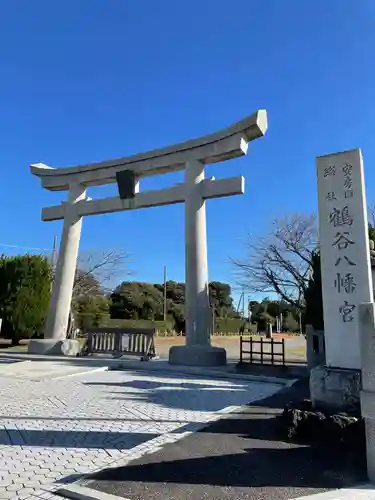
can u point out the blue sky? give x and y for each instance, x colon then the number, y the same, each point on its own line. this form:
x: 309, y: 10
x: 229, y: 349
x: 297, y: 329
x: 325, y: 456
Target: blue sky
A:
x: 91, y: 80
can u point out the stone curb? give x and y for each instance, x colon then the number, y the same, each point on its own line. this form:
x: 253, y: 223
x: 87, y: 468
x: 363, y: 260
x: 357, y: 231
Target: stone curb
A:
x: 161, y: 366
x: 199, y: 371
x: 85, y: 372
x: 7, y: 369
x: 75, y: 492
x: 362, y: 492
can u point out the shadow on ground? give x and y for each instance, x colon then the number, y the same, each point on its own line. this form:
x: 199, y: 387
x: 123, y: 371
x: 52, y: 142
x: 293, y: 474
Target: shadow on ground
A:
x: 293, y: 369
x: 73, y: 438
x: 180, y: 391
x: 250, y: 468
x: 237, y: 457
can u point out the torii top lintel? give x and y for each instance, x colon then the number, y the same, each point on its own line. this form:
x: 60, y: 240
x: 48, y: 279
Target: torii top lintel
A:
x: 228, y: 143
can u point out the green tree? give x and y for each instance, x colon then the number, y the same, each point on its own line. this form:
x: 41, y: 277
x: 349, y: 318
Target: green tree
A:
x: 88, y: 303
x: 265, y: 318
x: 90, y: 311
x: 25, y: 287
x: 221, y: 300
x: 152, y: 302
x: 371, y: 232
x: 313, y: 296
x: 175, y: 291
x: 126, y: 301
x: 290, y: 324
x: 177, y: 311
x: 132, y: 300
x: 261, y: 315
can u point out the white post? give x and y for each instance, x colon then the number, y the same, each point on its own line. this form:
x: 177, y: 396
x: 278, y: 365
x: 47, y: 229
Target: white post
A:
x: 198, y: 350
x: 58, y: 315
x: 197, y: 293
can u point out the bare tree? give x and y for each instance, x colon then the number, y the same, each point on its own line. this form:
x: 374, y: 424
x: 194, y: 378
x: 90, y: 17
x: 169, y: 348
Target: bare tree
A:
x: 96, y: 271
x: 280, y: 261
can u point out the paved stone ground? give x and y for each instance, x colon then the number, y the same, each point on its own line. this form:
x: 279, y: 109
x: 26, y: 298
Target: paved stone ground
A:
x: 235, y: 458
x: 54, y: 431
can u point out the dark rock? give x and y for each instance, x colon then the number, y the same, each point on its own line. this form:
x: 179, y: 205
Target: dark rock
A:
x: 315, y: 427
x: 306, y: 405
x: 347, y: 430
x: 298, y: 424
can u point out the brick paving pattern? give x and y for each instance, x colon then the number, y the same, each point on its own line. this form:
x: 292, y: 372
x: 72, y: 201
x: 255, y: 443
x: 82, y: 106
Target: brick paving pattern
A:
x: 56, y: 431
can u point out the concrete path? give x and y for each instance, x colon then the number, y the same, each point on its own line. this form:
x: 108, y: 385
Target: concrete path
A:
x: 55, y: 430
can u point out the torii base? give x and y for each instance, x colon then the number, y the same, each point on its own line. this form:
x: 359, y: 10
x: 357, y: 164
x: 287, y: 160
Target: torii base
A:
x: 197, y: 355
x: 54, y: 347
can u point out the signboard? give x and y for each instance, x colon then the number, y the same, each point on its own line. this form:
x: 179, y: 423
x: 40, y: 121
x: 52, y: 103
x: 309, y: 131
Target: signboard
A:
x: 125, y: 342
x: 345, y: 255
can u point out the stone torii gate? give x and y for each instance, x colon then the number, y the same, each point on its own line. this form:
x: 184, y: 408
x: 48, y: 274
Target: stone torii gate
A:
x: 190, y: 156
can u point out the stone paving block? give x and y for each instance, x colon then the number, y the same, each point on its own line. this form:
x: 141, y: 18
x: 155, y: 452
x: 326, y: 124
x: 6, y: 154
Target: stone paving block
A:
x: 54, y: 431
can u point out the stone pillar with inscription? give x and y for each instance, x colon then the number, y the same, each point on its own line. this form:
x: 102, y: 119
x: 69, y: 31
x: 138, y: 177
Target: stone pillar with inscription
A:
x: 346, y: 277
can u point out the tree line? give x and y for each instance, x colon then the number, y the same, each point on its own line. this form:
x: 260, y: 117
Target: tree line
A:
x: 284, y: 263
x: 26, y: 282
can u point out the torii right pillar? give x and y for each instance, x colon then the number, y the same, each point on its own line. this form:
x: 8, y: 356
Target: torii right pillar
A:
x: 198, y: 349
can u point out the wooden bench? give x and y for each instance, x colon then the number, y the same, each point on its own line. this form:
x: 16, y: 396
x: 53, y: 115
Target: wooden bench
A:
x: 121, y: 341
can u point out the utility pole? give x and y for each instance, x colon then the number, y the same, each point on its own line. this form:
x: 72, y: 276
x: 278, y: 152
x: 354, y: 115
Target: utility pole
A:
x: 165, y: 294
x: 241, y: 304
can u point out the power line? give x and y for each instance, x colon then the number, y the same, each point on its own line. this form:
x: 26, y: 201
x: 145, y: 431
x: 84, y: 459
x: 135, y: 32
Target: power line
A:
x: 24, y: 248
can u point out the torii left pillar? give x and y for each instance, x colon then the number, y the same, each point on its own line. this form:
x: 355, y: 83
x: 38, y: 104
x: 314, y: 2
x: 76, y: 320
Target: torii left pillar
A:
x: 56, y: 327
x: 198, y: 349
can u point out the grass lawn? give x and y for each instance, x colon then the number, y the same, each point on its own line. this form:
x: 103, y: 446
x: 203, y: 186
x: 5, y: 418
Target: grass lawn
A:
x: 13, y: 348
x: 19, y: 347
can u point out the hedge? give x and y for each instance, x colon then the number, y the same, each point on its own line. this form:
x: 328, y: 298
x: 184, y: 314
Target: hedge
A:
x: 232, y: 325
x: 162, y: 326
x: 223, y: 326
